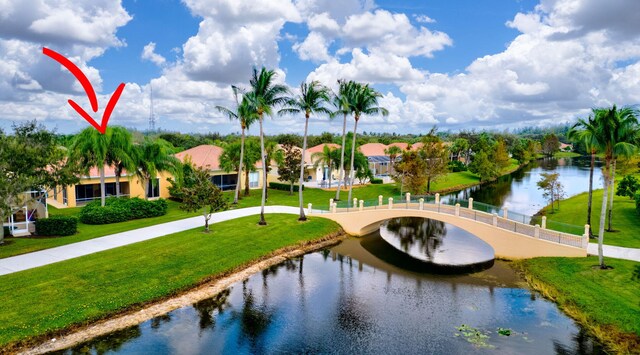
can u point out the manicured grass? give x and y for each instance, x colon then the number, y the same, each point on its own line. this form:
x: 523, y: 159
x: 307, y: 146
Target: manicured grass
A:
x: 52, y: 297
x: 626, y: 221
x: 566, y: 155
x: 602, y: 297
x: 22, y: 245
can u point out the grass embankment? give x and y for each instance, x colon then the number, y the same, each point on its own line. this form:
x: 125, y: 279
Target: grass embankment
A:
x: 566, y: 155
x: 625, y: 223
x: 318, y: 197
x: 53, y: 297
x: 606, y: 302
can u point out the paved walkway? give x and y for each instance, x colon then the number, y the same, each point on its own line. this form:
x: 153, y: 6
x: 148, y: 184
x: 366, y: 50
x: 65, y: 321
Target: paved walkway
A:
x: 611, y: 251
x: 70, y: 251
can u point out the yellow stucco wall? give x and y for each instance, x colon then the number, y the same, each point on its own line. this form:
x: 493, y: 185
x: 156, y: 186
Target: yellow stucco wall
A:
x: 135, y: 188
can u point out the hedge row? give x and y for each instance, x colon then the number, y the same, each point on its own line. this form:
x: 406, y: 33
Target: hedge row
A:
x: 57, y: 226
x: 122, y: 209
x: 376, y: 181
x: 283, y: 187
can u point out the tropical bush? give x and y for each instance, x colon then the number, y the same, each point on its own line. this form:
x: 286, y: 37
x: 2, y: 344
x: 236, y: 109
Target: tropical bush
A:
x: 7, y: 231
x: 283, y: 187
x: 122, y: 209
x: 57, y: 226
x: 456, y: 166
x: 376, y: 181
x: 628, y: 186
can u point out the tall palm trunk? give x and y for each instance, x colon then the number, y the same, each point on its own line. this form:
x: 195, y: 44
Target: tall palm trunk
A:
x: 235, y: 199
x: 612, y: 183
x: 145, y: 184
x: 353, y: 154
x: 262, y: 221
x: 246, y: 183
x: 102, y: 186
x: 118, y: 173
x: 593, y: 164
x: 603, y: 213
x: 344, y: 138
x: 304, y: 150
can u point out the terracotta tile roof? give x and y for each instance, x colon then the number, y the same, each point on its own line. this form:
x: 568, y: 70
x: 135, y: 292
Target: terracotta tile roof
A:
x: 373, y: 149
x: 319, y: 147
x: 401, y: 145
x: 204, y: 156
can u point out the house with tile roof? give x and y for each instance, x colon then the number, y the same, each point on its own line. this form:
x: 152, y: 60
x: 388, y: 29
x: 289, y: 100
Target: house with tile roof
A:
x: 88, y: 188
x: 320, y: 174
x: 208, y: 157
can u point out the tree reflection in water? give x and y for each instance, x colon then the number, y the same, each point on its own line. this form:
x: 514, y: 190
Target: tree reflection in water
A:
x: 207, y: 307
x: 108, y: 343
x: 426, y: 233
x: 582, y: 344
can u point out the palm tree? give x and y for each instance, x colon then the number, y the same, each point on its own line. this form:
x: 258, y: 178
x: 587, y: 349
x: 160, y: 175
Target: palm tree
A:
x: 264, y: 97
x: 91, y: 148
x: 615, y: 131
x: 232, y: 156
x: 154, y: 156
x: 626, y: 134
x: 246, y: 115
x: 272, y: 153
x: 327, y: 157
x: 585, y: 131
x: 342, y: 103
x: 393, y: 153
x: 363, y: 102
x: 121, y: 154
x: 311, y: 100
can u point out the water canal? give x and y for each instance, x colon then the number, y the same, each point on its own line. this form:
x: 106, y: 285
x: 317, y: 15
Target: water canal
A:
x: 362, y: 296
x: 415, y: 286
x: 518, y: 191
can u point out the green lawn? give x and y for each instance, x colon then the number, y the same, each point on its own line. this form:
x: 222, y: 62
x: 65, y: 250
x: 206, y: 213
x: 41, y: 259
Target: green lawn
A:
x: 605, y: 297
x: 22, y: 245
x: 626, y: 221
x: 52, y: 297
x: 566, y: 155
x: 318, y: 197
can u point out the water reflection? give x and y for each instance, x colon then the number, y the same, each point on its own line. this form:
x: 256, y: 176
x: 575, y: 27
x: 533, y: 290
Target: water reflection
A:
x: 348, y: 300
x: 519, y: 192
x: 440, y: 246
x: 206, y: 309
x: 423, y: 233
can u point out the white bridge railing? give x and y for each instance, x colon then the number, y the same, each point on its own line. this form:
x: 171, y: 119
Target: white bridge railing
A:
x: 498, y: 217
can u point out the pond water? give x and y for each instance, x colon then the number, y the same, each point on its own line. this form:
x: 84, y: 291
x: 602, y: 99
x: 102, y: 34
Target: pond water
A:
x: 518, y: 191
x: 361, y: 296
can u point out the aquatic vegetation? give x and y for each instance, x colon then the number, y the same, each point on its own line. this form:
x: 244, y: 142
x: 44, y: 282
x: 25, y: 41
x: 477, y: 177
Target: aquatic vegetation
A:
x: 475, y: 336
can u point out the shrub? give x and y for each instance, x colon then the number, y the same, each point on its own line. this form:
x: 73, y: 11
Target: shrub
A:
x: 376, y: 181
x: 637, y: 198
x: 7, y: 231
x: 456, y: 166
x: 57, y: 226
x: 283, y: 187
x: 122, y: 209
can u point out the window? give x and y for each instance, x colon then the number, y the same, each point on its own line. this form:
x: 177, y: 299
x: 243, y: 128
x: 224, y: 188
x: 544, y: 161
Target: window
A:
x: 64, y: 196
x: 153, y: 188
x: 254, y: 179
x: 225, y: 182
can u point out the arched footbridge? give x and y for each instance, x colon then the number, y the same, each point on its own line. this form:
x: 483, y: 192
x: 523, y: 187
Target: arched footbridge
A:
x: 511, y: 235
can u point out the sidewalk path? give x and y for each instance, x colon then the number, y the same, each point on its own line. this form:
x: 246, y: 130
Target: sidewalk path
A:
x: 70, y: 251
x: 611, y: 251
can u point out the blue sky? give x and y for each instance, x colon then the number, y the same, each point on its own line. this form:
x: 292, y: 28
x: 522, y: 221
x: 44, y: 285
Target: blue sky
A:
x: 493, y: 64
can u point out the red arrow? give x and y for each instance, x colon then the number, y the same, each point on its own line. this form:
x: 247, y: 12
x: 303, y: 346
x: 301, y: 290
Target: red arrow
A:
x: 88, y: 89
